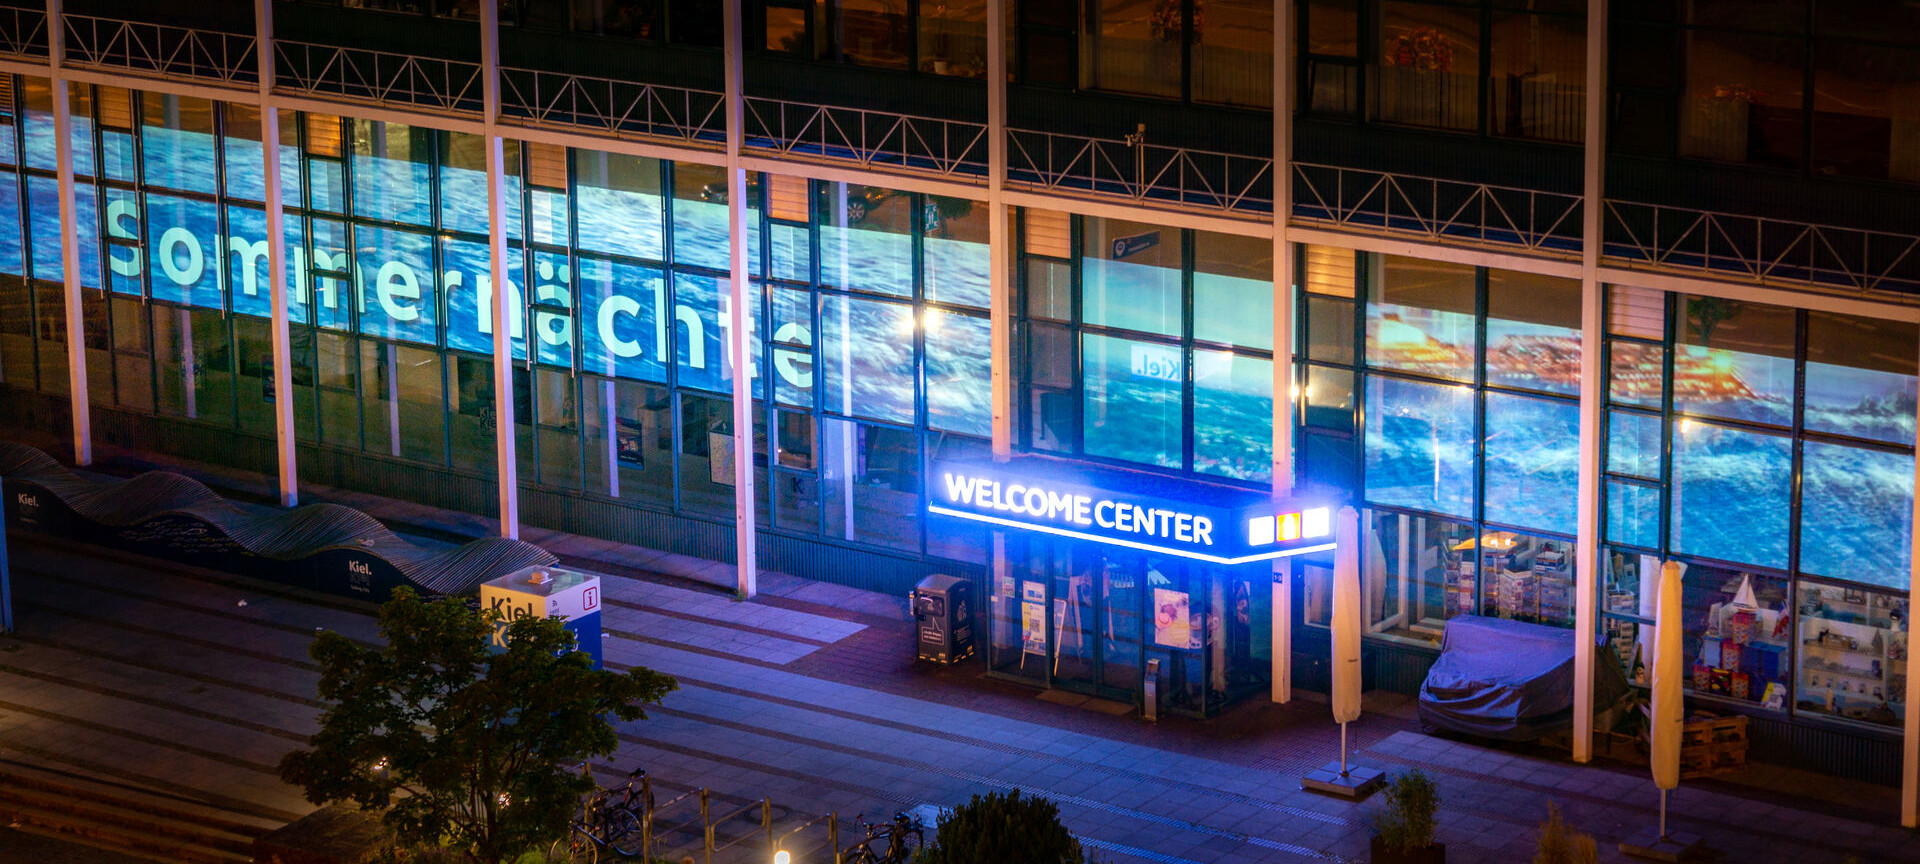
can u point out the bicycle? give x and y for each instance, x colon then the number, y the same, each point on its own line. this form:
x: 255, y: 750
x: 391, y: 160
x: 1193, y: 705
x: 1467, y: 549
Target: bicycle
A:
x: 613, y: 819
x: 904, y: 838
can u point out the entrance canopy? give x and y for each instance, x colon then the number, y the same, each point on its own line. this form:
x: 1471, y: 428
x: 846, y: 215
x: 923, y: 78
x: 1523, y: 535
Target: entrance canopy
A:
x: 1134, y: 509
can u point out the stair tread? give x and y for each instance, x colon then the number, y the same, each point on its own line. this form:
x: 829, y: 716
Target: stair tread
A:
x: 20, y: 779
x: 173, y: 850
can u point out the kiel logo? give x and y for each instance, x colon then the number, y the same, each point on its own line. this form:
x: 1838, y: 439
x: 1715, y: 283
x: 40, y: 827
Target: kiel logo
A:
x: 360, y: 576
x: 27, y: 499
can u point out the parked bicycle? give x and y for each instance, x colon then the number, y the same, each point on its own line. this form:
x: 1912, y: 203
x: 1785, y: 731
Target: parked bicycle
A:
x: 902, y: 841
x: 615, y: 819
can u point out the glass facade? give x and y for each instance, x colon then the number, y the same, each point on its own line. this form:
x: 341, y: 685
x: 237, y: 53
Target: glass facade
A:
x: 870, y: 321
x: 1771, y: 450
x: 1447, y: 396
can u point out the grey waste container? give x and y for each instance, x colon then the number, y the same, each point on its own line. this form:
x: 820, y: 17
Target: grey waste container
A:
x: 943, y: 618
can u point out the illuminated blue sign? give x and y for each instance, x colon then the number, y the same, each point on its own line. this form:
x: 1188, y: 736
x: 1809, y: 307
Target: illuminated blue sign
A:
x: 1131, y: 509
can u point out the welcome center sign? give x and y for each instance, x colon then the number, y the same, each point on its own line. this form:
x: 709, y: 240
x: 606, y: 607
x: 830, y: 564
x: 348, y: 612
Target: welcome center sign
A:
x: 1132, y: 509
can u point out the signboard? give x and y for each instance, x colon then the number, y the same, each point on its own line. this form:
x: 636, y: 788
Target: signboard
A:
x: 1125, y: 246
x: 1133, y: 509
x: 547, y: 592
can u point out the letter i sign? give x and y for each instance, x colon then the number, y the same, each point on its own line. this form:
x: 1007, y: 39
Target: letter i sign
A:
x: 590, y: 599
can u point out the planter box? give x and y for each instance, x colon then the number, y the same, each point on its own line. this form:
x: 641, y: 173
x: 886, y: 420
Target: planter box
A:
x: 1380, y: 854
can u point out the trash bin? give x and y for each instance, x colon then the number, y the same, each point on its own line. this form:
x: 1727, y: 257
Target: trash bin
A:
x: 943, y: 618
x: 547, y: 592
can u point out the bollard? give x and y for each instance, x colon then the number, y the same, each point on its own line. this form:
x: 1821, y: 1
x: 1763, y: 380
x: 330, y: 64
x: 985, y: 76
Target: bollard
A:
x: 706, y: 824
x: 646, y: 817
x: 1150, y: 690
x: 766, y: 824
x: 833, y: 835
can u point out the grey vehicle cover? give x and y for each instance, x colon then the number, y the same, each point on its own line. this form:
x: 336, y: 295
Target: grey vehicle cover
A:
x: 1509, y: 680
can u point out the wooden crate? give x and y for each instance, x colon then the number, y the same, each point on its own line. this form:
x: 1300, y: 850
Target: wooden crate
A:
x: 1712, y: 745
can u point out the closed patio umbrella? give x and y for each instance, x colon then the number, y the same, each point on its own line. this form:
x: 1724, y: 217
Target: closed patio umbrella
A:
x: 1667, y: 718
x: 1338, y: 778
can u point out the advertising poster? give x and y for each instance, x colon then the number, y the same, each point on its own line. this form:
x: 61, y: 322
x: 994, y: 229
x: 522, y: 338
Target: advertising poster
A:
x: 1172, y: 624
x: 1033, y: 628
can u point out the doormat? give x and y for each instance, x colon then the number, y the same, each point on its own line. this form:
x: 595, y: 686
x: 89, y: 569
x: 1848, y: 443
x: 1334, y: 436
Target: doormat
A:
x: 1063, y: 697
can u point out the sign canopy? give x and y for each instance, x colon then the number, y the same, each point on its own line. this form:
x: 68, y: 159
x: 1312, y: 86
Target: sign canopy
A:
x: 1133, y: 509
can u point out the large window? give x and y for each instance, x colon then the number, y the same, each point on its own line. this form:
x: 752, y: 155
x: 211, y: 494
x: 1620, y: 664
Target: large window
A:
x: 1467, y: 379
x: 1771, y: 450
x: 1506, y: 68
x: 1828, y: 91
x: 1171, y: 332
x: 1204, y: 50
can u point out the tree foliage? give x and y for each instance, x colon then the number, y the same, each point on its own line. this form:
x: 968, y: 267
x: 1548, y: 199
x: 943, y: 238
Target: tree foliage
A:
x: 1003, y: 829
x: 471, y: 747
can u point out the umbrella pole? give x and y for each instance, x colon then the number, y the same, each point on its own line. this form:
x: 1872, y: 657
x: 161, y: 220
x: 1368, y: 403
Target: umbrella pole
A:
x: 1343, y: 773
x: 1663, y: 813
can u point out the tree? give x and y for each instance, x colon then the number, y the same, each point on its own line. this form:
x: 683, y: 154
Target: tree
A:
x: 996, y: 828
x: 469, y: 746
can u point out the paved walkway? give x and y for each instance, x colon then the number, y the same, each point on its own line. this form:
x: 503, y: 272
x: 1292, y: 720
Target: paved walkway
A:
x: 160, y: 676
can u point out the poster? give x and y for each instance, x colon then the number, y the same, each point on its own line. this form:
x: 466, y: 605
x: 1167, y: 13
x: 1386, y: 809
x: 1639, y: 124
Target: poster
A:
x: 1172, y: 624
x: 1033, y: 628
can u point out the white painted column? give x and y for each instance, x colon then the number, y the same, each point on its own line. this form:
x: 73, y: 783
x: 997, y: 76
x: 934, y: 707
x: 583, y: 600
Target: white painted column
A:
x: 1587, y: 537
x: 283, y: 397
x: 1910, y: 751
x: 505, y: 312
x: 999, y: 237
x: 741, y: 314
x: 69, y: 241
x: 1283, y: 374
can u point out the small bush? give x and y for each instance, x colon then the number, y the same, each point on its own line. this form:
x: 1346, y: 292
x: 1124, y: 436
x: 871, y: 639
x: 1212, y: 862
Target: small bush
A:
x: 1003, y: 829
x: 1560, y: 844
x: 1406, y: 825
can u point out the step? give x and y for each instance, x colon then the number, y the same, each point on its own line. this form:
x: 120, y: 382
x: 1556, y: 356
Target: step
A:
x: 83, y: 811
x: 17, y: 778
x: 127, y: 841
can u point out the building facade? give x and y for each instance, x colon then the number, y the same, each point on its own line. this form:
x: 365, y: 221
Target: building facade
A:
x: 1541, y: 340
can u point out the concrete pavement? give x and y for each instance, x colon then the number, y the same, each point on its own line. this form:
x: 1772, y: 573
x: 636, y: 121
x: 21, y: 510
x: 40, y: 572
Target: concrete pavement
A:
x: 157, y: 676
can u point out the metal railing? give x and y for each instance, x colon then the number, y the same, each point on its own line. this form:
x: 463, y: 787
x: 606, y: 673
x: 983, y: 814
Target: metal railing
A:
x: 160, y: 50
x: 1435, y: 209
x: 1770, y: 251
x: 23, y: 32
x: 687, y: 826
x: 378, y: 77
x: 1133, y: 169
x: 611, y: 106
x: 869, y: 139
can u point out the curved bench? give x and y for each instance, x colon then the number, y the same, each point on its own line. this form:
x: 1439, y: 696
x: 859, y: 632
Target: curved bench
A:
x: 326, y: 547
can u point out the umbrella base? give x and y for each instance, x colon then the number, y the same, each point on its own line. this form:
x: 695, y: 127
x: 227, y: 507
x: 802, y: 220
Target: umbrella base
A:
x: 1354, y: 785
x: 1650, y: 846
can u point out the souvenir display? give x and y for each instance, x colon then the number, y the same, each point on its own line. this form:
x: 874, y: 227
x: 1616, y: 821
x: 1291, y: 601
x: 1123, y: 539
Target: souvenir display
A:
x: 1853, y: 653
x: 1742, y: 648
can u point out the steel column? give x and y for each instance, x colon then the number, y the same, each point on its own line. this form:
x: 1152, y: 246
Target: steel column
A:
x: 740, y: 317
x: 1910, y: 751
x: 69, y: 243
x: 1587, y: 538
x: 1283, y: 374
x: 999, y: 238
x: 505, y: 312
x: 283, y: 420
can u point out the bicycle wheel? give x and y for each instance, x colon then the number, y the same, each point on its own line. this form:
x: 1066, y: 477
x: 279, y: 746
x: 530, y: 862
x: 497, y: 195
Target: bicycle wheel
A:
x: 575, y: 848
x: 861, y: 854
x: 621, y: 829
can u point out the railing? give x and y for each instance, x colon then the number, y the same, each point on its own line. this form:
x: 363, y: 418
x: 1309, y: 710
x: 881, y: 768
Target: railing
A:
x: 610, y: 106
x: 1765, y: 250
x: 869, y: 139
x: 160, y: 49
x: 23, y: 32
x: 379, y: 77
x: 1434, y: 209
x: 1138, y: 171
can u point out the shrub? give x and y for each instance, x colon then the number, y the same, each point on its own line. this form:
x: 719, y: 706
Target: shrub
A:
x: 1003, y: 829
x: 1560, y: 844
x: 1406, y: 824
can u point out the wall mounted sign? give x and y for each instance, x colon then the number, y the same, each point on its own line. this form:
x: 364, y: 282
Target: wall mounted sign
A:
x: 1133, y: 509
